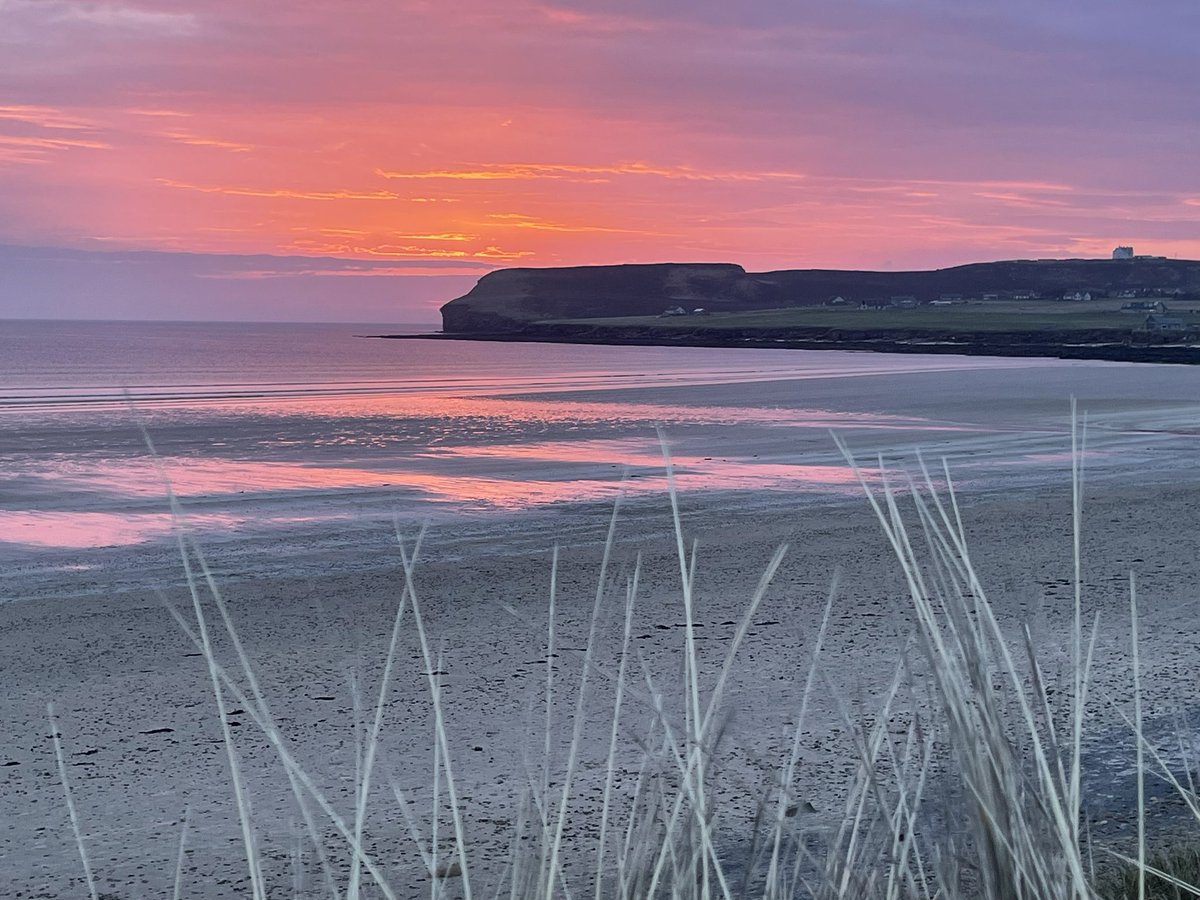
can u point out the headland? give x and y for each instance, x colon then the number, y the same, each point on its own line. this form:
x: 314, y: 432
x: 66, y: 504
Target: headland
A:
x: 1142, y: 309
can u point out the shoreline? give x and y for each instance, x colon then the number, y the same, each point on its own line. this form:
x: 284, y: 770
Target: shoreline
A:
x: 881, y: 342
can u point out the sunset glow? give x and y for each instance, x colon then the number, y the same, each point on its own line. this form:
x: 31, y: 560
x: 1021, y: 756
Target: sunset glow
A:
x: 435, y: 142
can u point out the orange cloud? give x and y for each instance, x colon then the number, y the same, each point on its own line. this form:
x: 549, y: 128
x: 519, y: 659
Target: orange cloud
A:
x: 184, y: 137
x: 45, y: 143
x: 349, y: 232
x: 418, y: 252
x: 283, y: 192
x: 517, y: 220
x: 920, y: 186
x: 50, y: 127
x: 592, y: 22
x: 318, y: 272
x: 43, y: 117
x: 443, y: 236
x: 162, y: 113
x: 21, y: 157
x: 497, y: 253
x: 1022, y: 200
x: 592, y: 174
x: 360, y: 248
x: 411, y: 250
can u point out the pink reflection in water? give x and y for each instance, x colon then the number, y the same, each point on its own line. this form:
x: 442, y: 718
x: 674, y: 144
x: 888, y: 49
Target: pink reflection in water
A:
x: 204, y: 477
x: 500, y: 493
x: 466, y: 411
x: 480, y: 416
x: 503, y: 475
x: 88, y: 530
x: 719, y: 473
x: 512, y: 477
x: 626, y: 452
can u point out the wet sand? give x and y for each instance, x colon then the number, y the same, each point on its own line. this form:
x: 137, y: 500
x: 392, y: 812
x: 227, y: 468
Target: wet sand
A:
x: 143, y: 742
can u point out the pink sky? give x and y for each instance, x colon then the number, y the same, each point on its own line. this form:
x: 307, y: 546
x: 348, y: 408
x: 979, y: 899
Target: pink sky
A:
x: 435, y: 140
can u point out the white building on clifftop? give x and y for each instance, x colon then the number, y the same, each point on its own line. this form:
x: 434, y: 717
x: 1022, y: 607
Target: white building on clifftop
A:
x: 1123, y: 253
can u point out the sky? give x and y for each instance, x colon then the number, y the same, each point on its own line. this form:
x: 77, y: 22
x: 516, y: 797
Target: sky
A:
x: 367, y: 160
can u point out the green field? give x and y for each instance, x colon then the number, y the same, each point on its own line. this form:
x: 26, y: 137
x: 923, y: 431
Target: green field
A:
x: 994, y: 316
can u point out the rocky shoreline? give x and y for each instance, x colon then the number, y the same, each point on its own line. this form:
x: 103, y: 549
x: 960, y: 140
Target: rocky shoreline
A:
x: 1057, y: 345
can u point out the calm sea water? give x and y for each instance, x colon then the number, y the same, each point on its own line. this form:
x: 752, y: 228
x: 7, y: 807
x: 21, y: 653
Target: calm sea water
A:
x: 46, y: 363
x: 320, y: 437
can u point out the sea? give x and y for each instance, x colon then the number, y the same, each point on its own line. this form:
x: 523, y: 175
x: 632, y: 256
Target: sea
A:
x: 291, y: 445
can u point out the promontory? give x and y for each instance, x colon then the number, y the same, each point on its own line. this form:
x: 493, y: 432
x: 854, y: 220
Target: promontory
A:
x: 1140, y: 308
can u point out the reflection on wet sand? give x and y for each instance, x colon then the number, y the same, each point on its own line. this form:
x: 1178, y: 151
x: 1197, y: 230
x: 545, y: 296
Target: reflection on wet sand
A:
x: 473, y: 478
x: 88, y: 530
x: 75, y: 471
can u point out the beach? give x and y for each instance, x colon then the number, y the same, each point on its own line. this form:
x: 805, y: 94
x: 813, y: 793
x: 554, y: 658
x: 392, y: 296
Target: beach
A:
x: 143, y: 741
x: 89, y: 627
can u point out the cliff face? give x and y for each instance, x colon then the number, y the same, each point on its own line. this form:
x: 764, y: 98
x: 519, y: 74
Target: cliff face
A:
x: 510, y: 299
x: 507, y: 299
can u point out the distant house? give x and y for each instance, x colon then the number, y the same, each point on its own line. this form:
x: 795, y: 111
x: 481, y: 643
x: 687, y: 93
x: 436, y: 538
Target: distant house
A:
x: 1077, y: 295
x: 1144, y: 306
x: 1164, y: 324
x: 699, y: 311
x: 992, y: 296
x: 904, y: 302
x: 837, y: 301
x: 1024, y: 295
x: 672, y: 311
x: 1123, y: 253
x: 947, y: 299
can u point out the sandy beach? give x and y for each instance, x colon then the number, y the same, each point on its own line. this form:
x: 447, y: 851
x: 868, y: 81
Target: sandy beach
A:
x: 143, y: 743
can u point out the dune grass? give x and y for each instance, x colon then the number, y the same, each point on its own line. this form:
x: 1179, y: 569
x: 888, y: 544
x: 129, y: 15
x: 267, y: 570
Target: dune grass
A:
x: 1007, y: 823
x: 1170, y: 874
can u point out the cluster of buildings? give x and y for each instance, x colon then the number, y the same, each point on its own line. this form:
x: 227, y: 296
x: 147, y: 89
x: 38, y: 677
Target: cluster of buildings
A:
x: 1127, y: 253
x: 910, y: 302
x: 1137, y: 296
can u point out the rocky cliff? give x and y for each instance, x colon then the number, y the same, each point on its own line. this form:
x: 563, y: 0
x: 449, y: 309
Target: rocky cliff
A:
x: 511, y: 298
